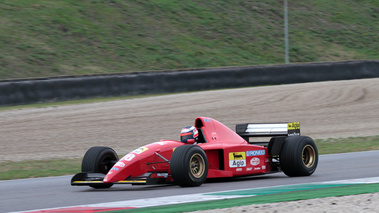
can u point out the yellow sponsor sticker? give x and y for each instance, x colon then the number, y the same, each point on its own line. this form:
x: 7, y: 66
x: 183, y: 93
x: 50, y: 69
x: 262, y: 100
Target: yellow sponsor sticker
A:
x: 140, y: 150
x: 237, y: 155
x: 237, y: 159
x: 294, y: 125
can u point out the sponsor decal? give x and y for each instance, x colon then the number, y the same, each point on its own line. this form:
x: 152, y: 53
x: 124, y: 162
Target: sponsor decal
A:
x: 294, y: 129
x: 249, y: 169
x: 140, y: 150
x: 128, y: 157
x: 255, y: 161
x: 293, y: 134
x: 116, y: 169
x: 263, y: 167
x: 255, y: 153
x: 257, y: 168
x: 294, y: 125
x: 237, y: 159
x: 239, y: 169
x: 120, y: 164
x: 207, y: 120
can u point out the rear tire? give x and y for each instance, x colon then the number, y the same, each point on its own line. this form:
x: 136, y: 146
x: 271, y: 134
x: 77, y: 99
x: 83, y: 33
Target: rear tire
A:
x: 189, y: 166
x: 99, y: 159
x: 298, y: 156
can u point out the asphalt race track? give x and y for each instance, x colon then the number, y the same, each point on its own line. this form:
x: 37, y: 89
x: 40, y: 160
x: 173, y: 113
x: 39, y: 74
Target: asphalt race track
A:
x: 325, y: 110
x: 40, y: 193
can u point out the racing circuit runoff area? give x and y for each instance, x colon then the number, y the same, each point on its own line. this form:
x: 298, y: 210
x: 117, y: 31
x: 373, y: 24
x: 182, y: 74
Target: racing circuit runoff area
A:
x: 325, y: 110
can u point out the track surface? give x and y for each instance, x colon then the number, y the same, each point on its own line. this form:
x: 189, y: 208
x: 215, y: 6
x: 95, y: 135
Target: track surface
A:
x: 325, y: 110
x: 39, y: 193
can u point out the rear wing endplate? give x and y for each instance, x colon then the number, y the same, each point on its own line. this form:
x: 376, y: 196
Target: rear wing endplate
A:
x: 268, y: 129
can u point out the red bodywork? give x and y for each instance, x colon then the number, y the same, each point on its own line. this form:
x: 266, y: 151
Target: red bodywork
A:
x: 228, y: 155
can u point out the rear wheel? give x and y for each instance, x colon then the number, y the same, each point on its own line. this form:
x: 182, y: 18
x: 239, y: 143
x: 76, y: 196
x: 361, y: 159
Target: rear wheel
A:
x: 189, y: 165
x: 299, y: 156
x: 99, y: 159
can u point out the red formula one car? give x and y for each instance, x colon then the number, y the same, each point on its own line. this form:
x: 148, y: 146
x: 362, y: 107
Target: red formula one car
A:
x: 217, y: 152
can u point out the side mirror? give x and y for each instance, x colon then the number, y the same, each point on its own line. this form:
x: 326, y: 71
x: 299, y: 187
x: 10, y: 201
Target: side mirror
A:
x: 190, y: 141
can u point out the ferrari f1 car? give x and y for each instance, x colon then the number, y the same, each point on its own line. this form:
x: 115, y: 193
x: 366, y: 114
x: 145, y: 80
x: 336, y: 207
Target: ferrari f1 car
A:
x: 219, y: 152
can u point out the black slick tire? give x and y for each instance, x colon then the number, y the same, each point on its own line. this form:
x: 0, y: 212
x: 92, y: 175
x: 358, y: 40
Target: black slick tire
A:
x: 298, y: 156
x: 99, y: 159
x: 189, y: 166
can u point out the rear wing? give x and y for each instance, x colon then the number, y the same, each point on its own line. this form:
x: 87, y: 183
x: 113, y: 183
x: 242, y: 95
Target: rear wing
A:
x: 267, y: 130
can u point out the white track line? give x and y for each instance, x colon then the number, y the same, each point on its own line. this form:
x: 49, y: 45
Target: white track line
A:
x: 171, y: 200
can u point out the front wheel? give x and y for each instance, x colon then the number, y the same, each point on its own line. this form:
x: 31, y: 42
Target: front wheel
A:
x: 189, y: 165
x: 99, y: 159
x: 299, y: 156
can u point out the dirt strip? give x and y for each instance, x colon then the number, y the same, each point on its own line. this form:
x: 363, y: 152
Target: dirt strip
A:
x: 325, y: 110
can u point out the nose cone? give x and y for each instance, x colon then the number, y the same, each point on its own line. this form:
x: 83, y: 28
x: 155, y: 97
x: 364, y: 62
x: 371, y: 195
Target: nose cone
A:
x: 136, y: 163
x: 110, y: 177
x: 116, y: 173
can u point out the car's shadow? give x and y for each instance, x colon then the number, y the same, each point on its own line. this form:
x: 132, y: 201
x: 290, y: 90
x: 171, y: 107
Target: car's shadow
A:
x: 141, y: 188
x: 241, y: 179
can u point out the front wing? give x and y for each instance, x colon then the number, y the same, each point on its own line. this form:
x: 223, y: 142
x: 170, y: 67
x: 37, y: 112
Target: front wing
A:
x: 93, y: 179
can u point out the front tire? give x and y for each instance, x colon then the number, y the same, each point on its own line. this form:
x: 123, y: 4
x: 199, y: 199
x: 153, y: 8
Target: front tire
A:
x: 99, y: 159
x: 299, y: 156
x: 189, y: 165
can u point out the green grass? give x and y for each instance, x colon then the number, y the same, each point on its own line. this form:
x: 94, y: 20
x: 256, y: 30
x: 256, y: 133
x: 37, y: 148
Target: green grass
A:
x: 42, y: 38
x: 261, y: 199
x: 39, y: 168
x: 352, y: 144
x: 56, y: 167
x: 73, y: 102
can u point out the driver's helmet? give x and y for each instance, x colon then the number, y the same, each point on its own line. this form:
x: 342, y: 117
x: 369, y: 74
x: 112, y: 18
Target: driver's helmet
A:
x: 189, y: 132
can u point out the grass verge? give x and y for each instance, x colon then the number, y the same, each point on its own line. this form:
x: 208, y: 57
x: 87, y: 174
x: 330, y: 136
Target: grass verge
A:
x: 38, y: 168
x: 68, y: 37
x: 56, y: 167
x: 80, y: 101
x: 351, y: 144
